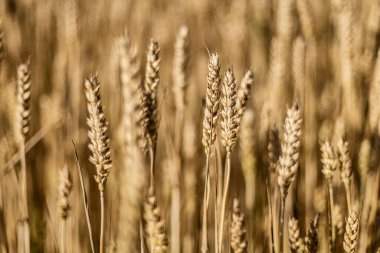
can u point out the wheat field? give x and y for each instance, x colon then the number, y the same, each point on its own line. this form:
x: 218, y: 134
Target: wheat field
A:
x: 156, y: 126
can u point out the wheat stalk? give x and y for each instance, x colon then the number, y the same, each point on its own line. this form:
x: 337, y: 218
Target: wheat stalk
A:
x: 22, y: 126
x: 133, y: 175
x: 154, y: 225
x: 295, y: 240
x: 63, y: 203
x: 99, y: 144
x: 330, y: 163
x: 288, y: 160
x: 238, y: 237
x: 346, y: 170
x: 229, y: 128
x: 149, y: 101
x: 351, y: 234
x: 210, y: 120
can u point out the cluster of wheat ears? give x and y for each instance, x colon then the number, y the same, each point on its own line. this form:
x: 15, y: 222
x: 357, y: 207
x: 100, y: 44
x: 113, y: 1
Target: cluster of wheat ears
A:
x: 273, y: 145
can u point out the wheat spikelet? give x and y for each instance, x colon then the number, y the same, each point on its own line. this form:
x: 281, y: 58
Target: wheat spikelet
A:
x: 64, y: 190
x: 22, y: 123
x: 351, y: 234
x: 211, y: 110
x: 229, y: 122
x: 237, y: 231
x: 329, y: 160
x: 274, y: 149
x: 344, y: 156
x: 181, y: 60
x: 149, y: 97
x: 154, y: 225
x: 295, y: 240
x: 243, y: 93
x: 338, y: 219
x: 99, y: 141
x: 311, y: 239
x: 289, y: 149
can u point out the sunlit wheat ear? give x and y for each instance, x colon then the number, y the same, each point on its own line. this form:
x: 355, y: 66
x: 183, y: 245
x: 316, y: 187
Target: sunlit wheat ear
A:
x: 290, y: 145
x: 329, y: 160
x: 311, y: 239
x: 243, y: 93
x: 295, y: 239
x: 180, y: 65
x: 351, y: 234
x: 211, y: 110
x: 149, y: 97
x: 154, y: 225
x: 99, y: 141
x: 229, y: 121
x: 338, y: 219
x: 64, y: 190
x: 238, y: 231
x: 274, y: 149
x: 22, y: 123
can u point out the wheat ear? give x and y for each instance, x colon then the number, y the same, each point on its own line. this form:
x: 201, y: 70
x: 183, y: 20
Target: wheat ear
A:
x: 311, y: 239
x: 149, y: 101
x: 338, y: 219
x: 210, y: 120
x: 99, y: 144
x: 295, y: 239
x: 330, y: 163
x: 229, y: 128
x: 22, y: 126
x: 238, y: 237
x: 154, y: 225
x: 274, y: 149
x: 288, y: 161
x: 63, y: 203
x: 243, y: 94
x: 351, y: 234
x: 345, y: 169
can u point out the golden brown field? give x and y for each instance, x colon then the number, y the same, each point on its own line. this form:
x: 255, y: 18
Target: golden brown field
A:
x: 155, y: 126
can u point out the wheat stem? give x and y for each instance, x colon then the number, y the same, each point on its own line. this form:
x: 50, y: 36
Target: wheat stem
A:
x: 204, y: 240
x: 281, y: 223
x: 227, y: 176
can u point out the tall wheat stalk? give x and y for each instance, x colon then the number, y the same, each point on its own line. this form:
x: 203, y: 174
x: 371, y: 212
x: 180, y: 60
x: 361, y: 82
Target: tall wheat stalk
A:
x: 99, y: 145
x: 330, y: 164
x: 229, y: 128
x: 210, y: 120
x: 22, y: 128
x: 288, y: 161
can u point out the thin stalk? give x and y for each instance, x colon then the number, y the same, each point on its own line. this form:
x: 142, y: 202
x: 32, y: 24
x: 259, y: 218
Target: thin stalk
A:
x: 204, y: 246
x: 102, y: 205
x: 152, y: 159
x: 85, y: 203
x: 216, y: 204
x: 332, y: 232
x: 227, y: 175
x: 62, y: 236
x: 281, y: 223
x: 268, y: 189
x: 347, y: 187
x: 24, y: 199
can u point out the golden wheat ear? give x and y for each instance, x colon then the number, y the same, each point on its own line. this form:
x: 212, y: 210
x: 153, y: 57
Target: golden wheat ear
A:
x: 295, y: 240
x: 311, y: 239
x: 238, y: 233
x: 350, y: 241
x: 154, y: 225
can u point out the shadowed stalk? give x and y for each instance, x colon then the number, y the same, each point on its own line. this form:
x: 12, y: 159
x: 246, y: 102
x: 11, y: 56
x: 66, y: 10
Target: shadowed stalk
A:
x: 204, y: 244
